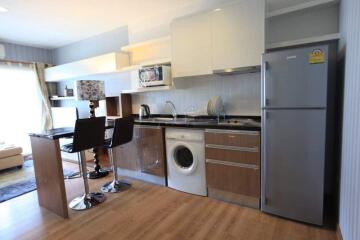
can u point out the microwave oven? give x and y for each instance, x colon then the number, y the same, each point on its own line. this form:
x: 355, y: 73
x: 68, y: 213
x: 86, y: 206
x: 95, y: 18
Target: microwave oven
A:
x: 154, y: 76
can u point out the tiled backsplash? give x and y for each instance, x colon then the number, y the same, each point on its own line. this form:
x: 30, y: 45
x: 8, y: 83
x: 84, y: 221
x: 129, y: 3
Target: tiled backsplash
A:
x: 240, y: 93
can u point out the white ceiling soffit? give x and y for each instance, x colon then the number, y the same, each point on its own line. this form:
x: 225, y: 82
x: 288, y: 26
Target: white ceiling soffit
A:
x: 54, y: 23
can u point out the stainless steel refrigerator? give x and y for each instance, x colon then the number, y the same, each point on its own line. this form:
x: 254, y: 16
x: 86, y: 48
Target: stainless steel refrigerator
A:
x: 297, y: 111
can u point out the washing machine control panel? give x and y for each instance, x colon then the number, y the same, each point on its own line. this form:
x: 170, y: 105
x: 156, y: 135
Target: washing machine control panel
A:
x: 185, y: 134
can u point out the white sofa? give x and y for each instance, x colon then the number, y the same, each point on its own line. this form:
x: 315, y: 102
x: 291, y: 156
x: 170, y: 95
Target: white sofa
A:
x: 10, y: 156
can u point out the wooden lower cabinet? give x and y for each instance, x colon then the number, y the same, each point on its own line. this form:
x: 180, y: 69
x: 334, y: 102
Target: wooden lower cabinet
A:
x: 233, y: 166
x: 145, y: 153
x: 239, y: 179
x: 151, y: 148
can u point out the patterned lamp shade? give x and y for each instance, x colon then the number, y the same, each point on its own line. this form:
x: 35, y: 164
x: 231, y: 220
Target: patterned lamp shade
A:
x: 92, y: 90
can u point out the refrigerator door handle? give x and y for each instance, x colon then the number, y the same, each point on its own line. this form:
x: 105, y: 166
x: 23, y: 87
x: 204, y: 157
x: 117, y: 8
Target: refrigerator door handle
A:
x: 264, y: 118
x: 265, y: 100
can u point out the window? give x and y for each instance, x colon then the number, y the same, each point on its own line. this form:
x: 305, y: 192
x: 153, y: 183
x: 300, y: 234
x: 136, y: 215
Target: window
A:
x: 20, y: 105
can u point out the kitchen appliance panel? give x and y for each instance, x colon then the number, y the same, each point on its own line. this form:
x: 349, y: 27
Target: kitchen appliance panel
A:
x: 154, y: 76
x: 290, y: 80
x: 293, y: 162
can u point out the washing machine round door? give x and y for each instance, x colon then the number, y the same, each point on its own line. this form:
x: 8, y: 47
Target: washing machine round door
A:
x: 184, y: 159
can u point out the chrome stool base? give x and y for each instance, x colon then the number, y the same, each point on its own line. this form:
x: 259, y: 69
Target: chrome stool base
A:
x: 115, y: 186
x: 87, y: 201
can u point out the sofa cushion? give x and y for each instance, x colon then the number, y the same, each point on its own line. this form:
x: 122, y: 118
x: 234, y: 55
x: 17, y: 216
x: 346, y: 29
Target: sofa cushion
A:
x: 8, y: 151
x: 12, y: 161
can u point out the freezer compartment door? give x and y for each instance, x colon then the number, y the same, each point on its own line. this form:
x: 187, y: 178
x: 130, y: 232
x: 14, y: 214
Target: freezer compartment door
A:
x: 293, y: 159
x: 291, y: 79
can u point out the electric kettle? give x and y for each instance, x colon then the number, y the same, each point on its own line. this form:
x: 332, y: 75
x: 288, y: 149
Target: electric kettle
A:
x: 144, y: 111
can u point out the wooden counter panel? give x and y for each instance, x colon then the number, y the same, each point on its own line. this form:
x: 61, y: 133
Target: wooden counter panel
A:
x: 49, y: 175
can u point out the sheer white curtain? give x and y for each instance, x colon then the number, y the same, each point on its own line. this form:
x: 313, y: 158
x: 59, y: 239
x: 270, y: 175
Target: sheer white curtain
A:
x: 20, y: 104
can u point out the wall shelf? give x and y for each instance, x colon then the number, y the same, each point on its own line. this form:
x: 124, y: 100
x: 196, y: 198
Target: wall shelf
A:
x: 301, y: 7
x: 149, y: 89
x: 109, y: 63
x: 131, y: 47
x: 160, y: 61
x: 149, y: 53
x: 304, y: 41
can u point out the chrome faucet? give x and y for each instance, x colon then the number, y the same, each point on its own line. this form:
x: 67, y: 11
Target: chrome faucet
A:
x: 173, y: 109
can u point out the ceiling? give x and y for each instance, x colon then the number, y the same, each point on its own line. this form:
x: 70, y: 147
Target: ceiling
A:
x: 55, y: 23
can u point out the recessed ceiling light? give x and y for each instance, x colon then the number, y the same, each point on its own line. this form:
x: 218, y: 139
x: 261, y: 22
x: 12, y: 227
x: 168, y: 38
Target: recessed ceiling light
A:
x: 2, y: 9
x: 217, y: 9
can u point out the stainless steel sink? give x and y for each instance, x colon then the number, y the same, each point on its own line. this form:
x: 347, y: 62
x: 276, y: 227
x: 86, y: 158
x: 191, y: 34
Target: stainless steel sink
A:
x: 171, y: 120
x: 202, y: 121
x: 240, y: 122
x: 163, y: 119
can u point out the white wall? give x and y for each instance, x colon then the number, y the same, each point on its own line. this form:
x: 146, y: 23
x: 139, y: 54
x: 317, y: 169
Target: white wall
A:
x: 240, y: 93
x: 350, y: 164
x: 103, y: 43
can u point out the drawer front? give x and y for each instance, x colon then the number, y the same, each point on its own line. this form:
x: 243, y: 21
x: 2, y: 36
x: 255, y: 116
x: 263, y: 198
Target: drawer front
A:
x: 237, y: 156
x: 246, y: 139
x: 233, y: 177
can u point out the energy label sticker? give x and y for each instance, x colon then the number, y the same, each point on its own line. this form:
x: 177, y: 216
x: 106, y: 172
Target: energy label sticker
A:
x: 317, y: 56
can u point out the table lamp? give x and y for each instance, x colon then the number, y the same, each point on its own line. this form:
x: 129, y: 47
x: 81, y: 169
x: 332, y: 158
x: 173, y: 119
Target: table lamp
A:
x: 92, y: 91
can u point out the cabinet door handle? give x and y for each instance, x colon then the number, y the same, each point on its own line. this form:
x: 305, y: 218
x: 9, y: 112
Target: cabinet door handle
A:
x: 233, y: 148
x: 233, y: 164
x: 237, y: 132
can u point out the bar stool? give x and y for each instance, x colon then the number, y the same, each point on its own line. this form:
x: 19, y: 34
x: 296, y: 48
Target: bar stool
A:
x: 123, y: 133
x: 89, y: 133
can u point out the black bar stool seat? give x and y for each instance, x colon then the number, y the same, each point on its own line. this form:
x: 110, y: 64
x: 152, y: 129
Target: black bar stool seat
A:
x: 88, y: 133
x: 122, y: 134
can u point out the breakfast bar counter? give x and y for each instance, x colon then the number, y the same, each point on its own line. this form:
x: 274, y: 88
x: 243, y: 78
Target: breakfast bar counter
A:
x: 48, y: 169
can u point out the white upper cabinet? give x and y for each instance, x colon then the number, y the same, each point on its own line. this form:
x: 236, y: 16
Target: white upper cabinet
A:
x: 191, y: 46
x: 238, y: 33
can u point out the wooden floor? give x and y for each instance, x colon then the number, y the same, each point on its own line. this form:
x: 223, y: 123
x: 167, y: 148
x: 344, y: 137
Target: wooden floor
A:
x: 148, y: 212
x: 15, y: 175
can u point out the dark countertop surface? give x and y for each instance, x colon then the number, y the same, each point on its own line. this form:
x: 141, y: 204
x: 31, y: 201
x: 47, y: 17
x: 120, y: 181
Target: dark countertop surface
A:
x: 57, y: 133
x: 249, y: 123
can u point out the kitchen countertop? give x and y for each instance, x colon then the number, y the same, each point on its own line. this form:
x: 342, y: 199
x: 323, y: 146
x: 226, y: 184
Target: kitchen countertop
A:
x: 253, y: 123
x: 167, y: 121
x: 58, y: 133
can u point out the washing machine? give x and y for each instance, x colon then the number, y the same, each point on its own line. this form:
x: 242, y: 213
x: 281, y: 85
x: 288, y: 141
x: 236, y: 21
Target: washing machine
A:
x: 185, y: 152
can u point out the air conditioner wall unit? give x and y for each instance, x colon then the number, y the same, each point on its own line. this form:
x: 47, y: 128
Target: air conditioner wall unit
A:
x: 2, y: 51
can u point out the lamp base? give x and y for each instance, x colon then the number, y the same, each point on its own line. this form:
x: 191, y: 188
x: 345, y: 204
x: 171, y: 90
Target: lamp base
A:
x: 98, y: 174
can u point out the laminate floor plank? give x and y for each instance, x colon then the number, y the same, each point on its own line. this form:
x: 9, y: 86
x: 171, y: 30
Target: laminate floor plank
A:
x: 148, y: 212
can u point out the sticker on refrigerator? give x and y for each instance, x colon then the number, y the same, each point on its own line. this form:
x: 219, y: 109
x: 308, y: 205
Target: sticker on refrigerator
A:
x: 317, y: 56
